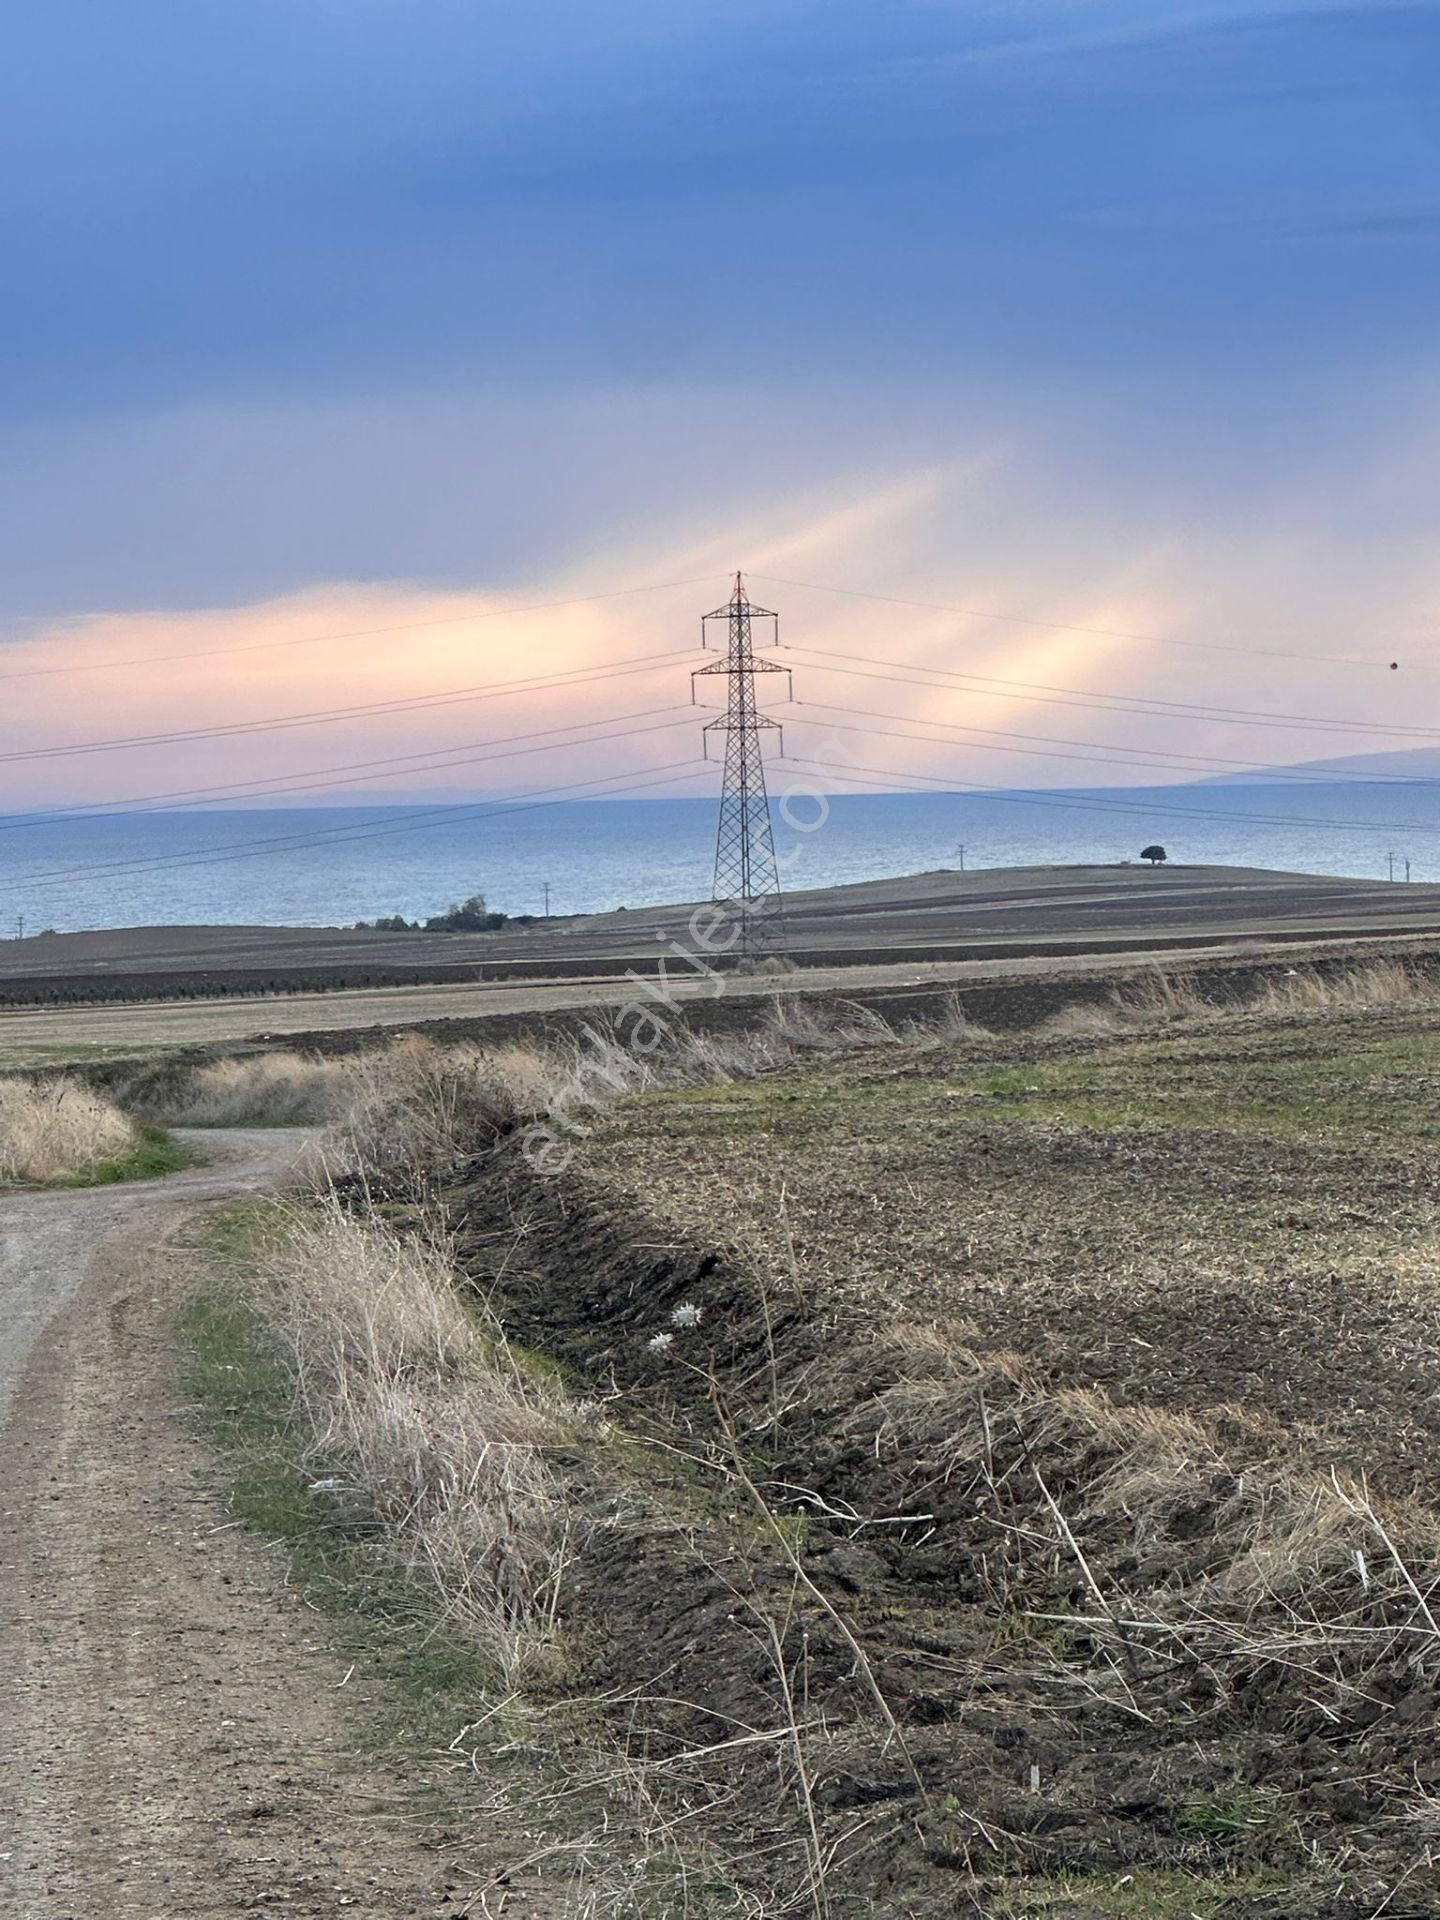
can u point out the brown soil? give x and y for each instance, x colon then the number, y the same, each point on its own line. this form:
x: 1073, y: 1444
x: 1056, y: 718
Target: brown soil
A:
x: 179, y: 1739
x: 1021, y: 1340
x: 914, y: 919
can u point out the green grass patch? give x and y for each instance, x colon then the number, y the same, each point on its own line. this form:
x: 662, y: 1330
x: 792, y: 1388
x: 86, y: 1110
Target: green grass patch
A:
x: 153, y: 1153
x: 1346, y: 1078
x: 238, y: 1235
x: 44, y: 1053
x: 1241, y: 1811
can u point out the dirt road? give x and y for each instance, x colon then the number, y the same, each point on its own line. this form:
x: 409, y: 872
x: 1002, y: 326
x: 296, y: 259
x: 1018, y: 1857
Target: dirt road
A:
x: 176, y: 1744
x: 41, y: 1035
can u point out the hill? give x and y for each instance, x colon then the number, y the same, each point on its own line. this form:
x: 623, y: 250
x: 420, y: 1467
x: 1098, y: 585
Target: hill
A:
x: 1407, y: 763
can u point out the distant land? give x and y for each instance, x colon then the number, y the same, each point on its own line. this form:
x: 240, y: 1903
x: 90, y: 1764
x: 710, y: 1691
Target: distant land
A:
x: 1407, y: 763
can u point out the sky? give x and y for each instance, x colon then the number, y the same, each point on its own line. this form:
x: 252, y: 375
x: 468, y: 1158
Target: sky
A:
x: 324, y: 317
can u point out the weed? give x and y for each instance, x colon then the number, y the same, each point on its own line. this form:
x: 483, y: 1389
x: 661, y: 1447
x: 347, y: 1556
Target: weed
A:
x: 1241, y: 1810
x: 152, y: 1152
x: 401, y: 1386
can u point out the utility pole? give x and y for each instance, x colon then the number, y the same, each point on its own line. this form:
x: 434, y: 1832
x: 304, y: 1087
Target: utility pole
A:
x: 747, y: 879
x: 1407, y: 873
x: 1391, y: 858
x: 961, y: 851
x: 546, y: 885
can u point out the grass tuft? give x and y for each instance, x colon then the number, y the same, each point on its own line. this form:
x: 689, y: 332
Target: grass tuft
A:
x: 59, y: 1132
x: 152, y: 1153
x: 1147, y: 1893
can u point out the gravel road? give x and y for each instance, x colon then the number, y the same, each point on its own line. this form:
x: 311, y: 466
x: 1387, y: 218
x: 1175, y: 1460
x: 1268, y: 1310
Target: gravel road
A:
x: 48, y: 1240
x: 177, y: 1744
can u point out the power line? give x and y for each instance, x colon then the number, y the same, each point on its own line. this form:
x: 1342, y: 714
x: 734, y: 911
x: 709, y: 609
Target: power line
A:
x: 297, y: 782
x: 1145, y: 707
x: 1030, y: 796
x: 567, y: 677
x: 437, y: 759
x: 418, y: 818
x: 1117, y: 756
x: 1108, y: 633
x: 249, y: 849
x: 418, y: 703
x: 354, y: 633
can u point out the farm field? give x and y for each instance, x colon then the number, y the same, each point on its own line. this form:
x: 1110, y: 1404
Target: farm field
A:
x: 995, y: 914
x: 1053, y: 1444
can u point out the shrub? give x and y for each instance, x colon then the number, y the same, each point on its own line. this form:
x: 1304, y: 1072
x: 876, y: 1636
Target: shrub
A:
x: 420, y: 1108
x: 463, y: 916
x: 283, y: 1089
x: 469, y: 916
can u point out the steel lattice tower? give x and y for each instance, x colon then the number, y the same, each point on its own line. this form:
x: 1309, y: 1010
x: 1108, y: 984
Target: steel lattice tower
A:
x: 747, y: 879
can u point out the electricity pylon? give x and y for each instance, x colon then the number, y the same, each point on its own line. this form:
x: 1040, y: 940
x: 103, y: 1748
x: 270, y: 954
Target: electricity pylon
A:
x: 747, y: 880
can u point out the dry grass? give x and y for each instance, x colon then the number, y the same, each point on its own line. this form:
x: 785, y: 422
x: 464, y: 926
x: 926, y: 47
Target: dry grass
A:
x: 1381, y: 983
x: 406, y: 1104
x: 412, y: 1106
x: 266, y: 1090
x: 1152, y: 999
x: 1082, y: 1020
x: 422, y: 1108
x: 1203, y: 1536
x: 1158, y: 999
x: 53, y: 1128
x: 424, y: 1407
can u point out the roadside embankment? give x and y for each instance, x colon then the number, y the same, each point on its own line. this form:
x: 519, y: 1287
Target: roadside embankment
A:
x: 148, y: 1057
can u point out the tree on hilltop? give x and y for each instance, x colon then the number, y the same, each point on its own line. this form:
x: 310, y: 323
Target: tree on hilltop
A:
x: 1156, y: 855
x: 469, y: 916
x: 465, y: 916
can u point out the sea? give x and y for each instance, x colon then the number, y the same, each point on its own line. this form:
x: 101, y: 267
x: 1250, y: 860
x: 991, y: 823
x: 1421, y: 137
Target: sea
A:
x: 321, y: 866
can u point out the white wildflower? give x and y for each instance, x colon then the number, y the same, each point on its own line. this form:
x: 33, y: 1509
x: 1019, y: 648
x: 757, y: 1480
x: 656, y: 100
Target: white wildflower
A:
x: 658, y: 1342
x: 685, y: 1316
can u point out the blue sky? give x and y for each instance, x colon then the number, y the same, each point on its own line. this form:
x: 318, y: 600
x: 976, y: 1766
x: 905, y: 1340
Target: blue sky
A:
x: 304, y: 209
x: 332, y: 291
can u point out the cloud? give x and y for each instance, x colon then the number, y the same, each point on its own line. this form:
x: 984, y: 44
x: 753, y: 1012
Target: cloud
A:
x: 843, y: 565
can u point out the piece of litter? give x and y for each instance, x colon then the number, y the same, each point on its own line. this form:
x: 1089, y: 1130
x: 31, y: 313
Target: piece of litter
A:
x: 324, y: 1486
